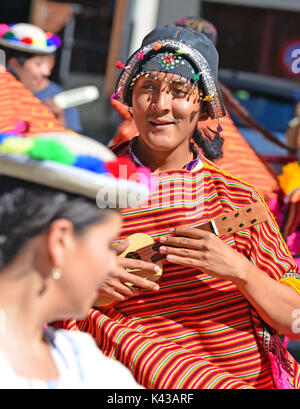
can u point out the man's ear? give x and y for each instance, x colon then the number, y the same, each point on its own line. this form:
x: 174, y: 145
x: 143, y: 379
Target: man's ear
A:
x: 203, y: 116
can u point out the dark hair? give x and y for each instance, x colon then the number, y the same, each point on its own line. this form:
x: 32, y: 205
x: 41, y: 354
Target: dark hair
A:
x: 211, y: 146
x: 21, y: 56
x: 27, y: 209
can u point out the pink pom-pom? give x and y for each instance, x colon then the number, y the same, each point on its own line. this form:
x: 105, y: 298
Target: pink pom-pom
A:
x: 20, y: 127
x: 4, y: 28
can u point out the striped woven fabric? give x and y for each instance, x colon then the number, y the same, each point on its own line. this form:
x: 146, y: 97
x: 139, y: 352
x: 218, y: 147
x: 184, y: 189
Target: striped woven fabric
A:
x: 239, y: 158
x: 18, y: 104
x: 197, y: 331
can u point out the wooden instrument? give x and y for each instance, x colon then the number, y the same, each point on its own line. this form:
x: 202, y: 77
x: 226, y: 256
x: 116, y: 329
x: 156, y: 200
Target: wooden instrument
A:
x: 143, y: 247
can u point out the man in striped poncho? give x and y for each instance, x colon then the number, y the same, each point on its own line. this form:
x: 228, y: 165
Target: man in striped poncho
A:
x: 222, y: 301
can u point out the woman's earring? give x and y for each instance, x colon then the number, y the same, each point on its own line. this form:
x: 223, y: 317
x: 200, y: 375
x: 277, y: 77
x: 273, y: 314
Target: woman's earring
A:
x: 56, y: 273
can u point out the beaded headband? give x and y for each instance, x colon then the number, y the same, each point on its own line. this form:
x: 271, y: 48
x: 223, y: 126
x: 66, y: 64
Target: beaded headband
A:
x: 196, y: 60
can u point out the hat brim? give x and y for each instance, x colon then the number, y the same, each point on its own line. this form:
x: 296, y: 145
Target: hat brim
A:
x: 106, y: 190
x: 216, y: 107
x: 16, y: 45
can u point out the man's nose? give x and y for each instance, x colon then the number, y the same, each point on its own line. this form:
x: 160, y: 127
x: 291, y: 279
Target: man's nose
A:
x: 161, y: 101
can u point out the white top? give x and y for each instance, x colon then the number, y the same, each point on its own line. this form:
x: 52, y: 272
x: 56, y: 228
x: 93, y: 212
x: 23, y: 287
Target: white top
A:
x: 80, y: 365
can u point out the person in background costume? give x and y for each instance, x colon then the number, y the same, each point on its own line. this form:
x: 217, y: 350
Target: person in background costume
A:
x: 56, y: 248
x: 222, y: 301
x: 30, y: 57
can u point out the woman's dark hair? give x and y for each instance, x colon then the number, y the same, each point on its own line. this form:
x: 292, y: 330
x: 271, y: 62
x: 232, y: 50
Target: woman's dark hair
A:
x: 28, y: 209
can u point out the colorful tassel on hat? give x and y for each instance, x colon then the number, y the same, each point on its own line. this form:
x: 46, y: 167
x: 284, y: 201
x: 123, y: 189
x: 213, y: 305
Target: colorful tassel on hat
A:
x: 119, y: 64
x: 180, y: 52
x: 116, y: 95
x: 140, y: 55
x: 196, y: 77
x: 219, y: 127
x: 157, y: 46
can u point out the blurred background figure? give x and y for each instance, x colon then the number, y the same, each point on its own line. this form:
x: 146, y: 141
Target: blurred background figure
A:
x: 30, y: 56
x: 293, y: 131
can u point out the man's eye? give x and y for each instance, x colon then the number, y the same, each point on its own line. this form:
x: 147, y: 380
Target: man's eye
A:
x: 147, y: 86
x: 179, y: 91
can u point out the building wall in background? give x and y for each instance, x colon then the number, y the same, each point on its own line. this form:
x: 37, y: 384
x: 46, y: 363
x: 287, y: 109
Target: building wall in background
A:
x: 170, y: 10
x: 254, y: 39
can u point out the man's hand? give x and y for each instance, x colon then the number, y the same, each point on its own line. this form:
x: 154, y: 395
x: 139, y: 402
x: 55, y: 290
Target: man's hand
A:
x: 121, y: 284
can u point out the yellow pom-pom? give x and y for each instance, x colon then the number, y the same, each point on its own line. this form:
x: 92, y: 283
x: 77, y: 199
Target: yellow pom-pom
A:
x: 289, y: 180
x: 39, y: 42
x: 16, y: 145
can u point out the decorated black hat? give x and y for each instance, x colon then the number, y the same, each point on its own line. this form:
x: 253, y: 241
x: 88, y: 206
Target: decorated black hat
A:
x: 177, y: 45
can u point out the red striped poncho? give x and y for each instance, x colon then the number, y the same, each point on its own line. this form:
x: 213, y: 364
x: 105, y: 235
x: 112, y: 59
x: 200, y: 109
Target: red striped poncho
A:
x: 197, y: 331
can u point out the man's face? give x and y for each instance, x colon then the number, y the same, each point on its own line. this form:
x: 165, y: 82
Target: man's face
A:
x: 165, y: 113
x: 34, y: 72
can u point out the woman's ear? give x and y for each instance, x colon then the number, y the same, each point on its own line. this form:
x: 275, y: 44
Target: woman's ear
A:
x: 60, y: 241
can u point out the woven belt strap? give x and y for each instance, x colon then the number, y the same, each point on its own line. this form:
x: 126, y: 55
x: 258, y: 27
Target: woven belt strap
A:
x: 223, y: 225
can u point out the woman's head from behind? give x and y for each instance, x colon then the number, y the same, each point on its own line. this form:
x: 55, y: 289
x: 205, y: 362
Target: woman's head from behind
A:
x: 58, y: 198
x: 62, y: 240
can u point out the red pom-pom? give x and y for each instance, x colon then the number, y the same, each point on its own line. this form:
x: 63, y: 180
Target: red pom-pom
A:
x: 119, y: 64
x: 27, y: 40
x: 121, y: 168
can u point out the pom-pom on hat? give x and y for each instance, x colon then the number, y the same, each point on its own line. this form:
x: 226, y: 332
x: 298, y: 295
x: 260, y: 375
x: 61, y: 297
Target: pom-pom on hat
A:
x: 76, y: 164
x: 28, y: 38
x: 194, y: 47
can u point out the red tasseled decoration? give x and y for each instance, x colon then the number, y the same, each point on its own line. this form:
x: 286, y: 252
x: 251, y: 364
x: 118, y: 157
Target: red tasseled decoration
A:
x: 121, y: 167
x: 119, y: 64
x: 277, y: 350
x: 140, y: 55
x: 27, y: 40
